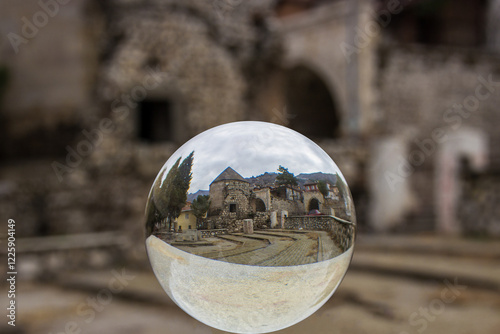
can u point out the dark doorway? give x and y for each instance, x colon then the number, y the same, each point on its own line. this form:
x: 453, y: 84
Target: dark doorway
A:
x: 259, y: 205
x: 313, y: 205
x: 311, y: 108
x: 155, y: 121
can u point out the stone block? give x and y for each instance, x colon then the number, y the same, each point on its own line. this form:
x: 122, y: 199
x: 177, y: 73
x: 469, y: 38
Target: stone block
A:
x: 248, y: 226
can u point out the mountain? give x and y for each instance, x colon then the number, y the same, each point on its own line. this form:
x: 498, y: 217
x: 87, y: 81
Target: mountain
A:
x: 267, y: 179
x: 331, y: 178
x: 193, y: 196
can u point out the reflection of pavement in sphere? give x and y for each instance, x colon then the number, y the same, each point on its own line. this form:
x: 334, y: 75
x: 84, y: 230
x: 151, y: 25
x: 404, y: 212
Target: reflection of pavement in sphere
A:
x: 223, y: 295
x: 268, y: 248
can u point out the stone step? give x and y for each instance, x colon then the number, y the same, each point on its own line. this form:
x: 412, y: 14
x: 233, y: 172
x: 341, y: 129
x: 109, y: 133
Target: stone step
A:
x: 450, y: 246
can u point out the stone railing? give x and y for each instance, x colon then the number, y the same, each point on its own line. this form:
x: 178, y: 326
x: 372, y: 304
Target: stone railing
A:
x: 341, y: 231
x: 213, y: 233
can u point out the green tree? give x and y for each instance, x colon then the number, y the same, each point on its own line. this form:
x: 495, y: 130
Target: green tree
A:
x: 285, y: 177
x: 323, y: 188
x: 178, y: 194
x: 343, y: 189
x: 153, y: 216
x: 170, y: 195
x: 163, y: 191
x: 200, y: 206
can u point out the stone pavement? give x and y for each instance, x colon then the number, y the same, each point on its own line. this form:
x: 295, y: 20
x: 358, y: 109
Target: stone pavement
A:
x: 269, y: 248
x: 474, y: 262
x: 303, y: 251
x: 392, y: 287
x: 276, y: 245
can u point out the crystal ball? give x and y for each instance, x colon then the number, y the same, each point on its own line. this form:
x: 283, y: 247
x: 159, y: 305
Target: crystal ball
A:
x: 250, y: 227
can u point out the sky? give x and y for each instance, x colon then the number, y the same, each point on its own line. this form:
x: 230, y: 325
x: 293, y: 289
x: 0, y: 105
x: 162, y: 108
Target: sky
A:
x: 251, y: 149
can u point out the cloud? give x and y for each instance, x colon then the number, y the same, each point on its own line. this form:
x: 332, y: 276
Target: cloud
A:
x: 251, y: 149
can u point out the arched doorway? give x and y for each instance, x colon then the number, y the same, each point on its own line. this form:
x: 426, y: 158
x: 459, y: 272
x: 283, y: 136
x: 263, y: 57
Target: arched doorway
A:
x: 313, y: 205
x: 258, y: 205
x: 310, y: 106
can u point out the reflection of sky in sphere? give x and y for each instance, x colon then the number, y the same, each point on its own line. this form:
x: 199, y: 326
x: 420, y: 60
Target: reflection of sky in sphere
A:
x: 251, y: 149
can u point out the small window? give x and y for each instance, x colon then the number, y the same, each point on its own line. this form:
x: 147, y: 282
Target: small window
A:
x: 232, y: 207
x: 186, y: 216
x: 155, y: 121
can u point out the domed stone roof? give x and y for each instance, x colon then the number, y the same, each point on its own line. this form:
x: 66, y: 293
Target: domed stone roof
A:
x: 229, y: 174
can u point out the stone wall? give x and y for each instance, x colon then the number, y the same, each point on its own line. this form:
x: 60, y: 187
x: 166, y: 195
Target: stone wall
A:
x: 217, y: 194
x: 225, y: 193
x: 479, y: 212
x: 428, y: 97
x: 98, y: 61
x: 212, y: 233
x: 237, y: 193
x: 341, y: 231
x: 293, y: 207
x: 261, y: 220
x: 230, y: 222
x: 51, y: 66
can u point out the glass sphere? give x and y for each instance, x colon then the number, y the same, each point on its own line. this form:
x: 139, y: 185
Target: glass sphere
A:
x: 250, y: 227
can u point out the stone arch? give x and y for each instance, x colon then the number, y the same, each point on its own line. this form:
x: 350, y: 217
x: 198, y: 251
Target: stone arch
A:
x: 310, y: 105
x: 258, y: 205
x: 313, y: 204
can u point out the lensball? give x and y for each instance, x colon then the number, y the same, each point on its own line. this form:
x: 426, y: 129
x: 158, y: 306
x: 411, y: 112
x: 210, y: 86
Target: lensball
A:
x: 250, y: 227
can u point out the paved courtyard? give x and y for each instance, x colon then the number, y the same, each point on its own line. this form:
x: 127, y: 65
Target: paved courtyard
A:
x: 267, y: 248
x: 395, y: 285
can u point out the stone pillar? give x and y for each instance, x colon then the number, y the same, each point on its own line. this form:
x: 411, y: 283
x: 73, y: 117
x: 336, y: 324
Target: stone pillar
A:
x: 466, y: 143
x: 283, y: 214
x: 248, y: 226
x: 493, y: 25
x: 274, y: 219
x: 389, y: 183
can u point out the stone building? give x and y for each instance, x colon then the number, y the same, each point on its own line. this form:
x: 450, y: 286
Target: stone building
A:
x: 413, y: 89
x: 229, y: 195
x: 104, y: 92
x: 233, y: 199
x: 403, y: 95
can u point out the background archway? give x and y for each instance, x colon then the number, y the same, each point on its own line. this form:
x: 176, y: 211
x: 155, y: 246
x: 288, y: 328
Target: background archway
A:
x: 258, y: 205
x: 310, y: 106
